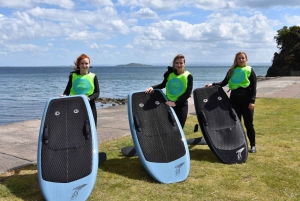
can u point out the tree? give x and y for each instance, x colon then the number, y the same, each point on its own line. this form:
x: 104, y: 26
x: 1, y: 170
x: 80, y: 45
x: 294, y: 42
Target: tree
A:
x: 287, y: 61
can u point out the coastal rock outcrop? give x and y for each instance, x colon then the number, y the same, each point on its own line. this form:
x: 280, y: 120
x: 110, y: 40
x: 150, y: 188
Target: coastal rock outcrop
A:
x: 287, y: 61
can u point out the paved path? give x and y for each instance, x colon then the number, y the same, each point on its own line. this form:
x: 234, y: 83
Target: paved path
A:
x: 18, y: 142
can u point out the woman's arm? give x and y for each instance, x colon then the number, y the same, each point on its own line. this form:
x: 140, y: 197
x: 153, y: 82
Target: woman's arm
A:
x: 222, y: 83
x: 69, y: 86
x: 252, y: 86
x: 96, y: 90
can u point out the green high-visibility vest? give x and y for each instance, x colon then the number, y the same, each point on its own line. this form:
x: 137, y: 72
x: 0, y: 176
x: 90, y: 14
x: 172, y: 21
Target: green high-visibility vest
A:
x: 82, y: 84
x: 240, y: 77
x: 176, y: 85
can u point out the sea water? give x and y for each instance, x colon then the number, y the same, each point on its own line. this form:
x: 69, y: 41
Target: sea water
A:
x: 25, y: 90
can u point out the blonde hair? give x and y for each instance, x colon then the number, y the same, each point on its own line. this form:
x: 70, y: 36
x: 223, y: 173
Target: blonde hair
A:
x: 234, y: 65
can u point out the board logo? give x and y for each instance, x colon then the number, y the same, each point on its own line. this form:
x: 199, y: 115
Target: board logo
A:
x: 238, y: 76
x: 175, y: 86
x: 177, y: 169
x: 76, y: 191
x: 239, y: 153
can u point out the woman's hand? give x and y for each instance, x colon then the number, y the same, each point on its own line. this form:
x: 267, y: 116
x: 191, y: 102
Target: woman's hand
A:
x: 208, y: 85
x: 251, y: 106
x: 148, y: 90
x: 170, y: 103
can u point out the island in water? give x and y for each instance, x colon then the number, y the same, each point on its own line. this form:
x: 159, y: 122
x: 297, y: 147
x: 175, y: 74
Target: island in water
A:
x: 133, y: 64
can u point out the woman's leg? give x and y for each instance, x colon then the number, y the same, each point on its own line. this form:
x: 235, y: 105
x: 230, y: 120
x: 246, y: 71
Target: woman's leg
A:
x: 182, y: 112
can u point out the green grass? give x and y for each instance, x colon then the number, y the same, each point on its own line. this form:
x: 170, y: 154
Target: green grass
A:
x: 273, y: 173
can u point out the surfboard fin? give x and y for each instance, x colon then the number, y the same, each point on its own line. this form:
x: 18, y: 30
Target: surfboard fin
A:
x: 45, y: 135
x: 196, y: 128
x: 87, y: 129
x: 196, y: 141
x: 129, y: 151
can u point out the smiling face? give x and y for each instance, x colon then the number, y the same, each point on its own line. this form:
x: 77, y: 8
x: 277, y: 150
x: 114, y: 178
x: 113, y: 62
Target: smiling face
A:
x: 179, y: 64
x: 84, y: 65
x: 241, y: 60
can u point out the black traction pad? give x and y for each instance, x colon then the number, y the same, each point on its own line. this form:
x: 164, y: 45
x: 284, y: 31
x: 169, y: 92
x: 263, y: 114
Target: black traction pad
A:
x: 155, y: 127
x: 220, y: 125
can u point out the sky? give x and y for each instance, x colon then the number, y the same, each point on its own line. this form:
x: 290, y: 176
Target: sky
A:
x: 112, y: 32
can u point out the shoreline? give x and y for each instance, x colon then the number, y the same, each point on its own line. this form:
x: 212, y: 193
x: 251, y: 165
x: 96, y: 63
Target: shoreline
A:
x: 106, y: 102
x: 110, y: 102
x: 18, y: 145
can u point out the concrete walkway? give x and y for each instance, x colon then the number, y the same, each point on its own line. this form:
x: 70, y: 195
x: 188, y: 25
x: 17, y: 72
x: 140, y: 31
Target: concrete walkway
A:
x: 18, y: 142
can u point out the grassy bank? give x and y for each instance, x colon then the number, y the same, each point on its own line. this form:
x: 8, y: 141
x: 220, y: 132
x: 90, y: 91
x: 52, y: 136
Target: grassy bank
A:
x: 270, y: 174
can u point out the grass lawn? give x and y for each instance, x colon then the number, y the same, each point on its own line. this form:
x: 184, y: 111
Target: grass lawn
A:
x: 273, y: 173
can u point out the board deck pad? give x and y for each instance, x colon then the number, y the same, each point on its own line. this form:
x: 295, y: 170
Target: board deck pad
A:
x: 220, y: 125
x: 67, y: 146
x: 158, y: 137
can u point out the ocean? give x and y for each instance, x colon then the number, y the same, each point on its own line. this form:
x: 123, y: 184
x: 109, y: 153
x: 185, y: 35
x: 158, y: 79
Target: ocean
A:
x: 25, y: 90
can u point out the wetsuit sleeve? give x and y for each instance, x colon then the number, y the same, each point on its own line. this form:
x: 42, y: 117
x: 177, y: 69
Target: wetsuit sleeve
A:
x: 252, y: 86
x: 69, y: 85
x: 181, y: 99
x: 222, y: 83
x: 164, y: 82
x: 96, y: 90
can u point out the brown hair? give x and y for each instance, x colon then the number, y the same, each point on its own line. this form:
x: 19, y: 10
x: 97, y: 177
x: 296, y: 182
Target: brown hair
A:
x: 83, y: 56
x: 178, y: 56
x: 234, y: 65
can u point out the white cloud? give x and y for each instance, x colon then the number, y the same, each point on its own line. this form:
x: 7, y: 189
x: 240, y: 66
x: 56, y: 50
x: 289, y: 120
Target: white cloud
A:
x: 213, y: 5
x: 292, y: 20
x: 145, y: 13
x: 176, y: 14
x: 94, y: 46
x: 144, y: 28
x: 105, y: 46
x: 129, y: 46
x: 267, y: 3
x: 24, y: 4
x: 26, y: 47
x: 155, y: 4
x: 100, y: 3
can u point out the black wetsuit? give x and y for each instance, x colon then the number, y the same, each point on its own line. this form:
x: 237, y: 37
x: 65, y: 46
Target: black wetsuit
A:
x: 91, y: 97
x: 181, y: 108
x: 240, y: 99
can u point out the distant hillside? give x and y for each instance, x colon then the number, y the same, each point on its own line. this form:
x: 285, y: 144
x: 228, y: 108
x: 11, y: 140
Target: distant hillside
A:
x: 133, y: 64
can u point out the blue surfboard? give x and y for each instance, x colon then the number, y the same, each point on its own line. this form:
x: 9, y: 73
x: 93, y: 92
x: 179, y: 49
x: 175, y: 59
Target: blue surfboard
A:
x: 158, y: 137
x: 67, y: 157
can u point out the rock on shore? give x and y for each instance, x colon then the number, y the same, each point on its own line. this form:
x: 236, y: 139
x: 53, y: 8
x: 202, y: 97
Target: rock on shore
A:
x: 112, y: 101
